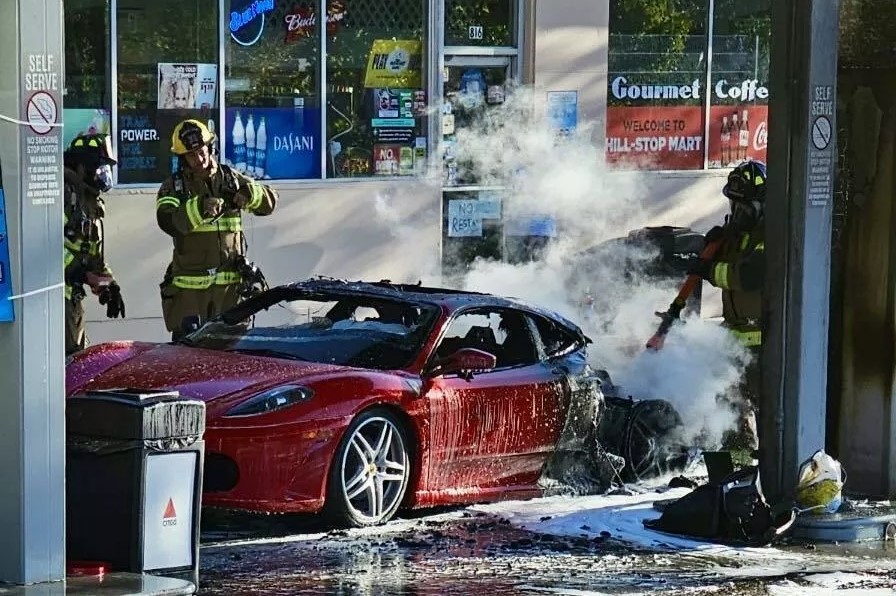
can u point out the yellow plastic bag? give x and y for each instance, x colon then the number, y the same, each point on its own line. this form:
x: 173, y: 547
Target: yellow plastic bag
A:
x: 820, y: 487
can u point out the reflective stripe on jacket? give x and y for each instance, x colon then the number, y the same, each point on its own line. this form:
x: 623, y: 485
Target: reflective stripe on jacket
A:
x: 83, y: 239
x: 738, y: 269
x: 749, y: 339
x: 204, y: 282
x: 206, y: 249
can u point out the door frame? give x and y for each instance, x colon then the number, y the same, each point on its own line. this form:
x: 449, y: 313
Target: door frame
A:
x: 462, y: 57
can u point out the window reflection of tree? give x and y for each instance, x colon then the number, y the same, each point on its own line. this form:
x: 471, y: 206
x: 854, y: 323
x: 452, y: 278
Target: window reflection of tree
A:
x: 348, y: 49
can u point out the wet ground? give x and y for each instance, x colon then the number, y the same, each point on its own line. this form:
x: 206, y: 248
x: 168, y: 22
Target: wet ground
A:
x: 454, y: 552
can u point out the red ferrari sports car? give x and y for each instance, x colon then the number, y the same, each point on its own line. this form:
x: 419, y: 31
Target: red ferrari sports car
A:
x: 359, y: 398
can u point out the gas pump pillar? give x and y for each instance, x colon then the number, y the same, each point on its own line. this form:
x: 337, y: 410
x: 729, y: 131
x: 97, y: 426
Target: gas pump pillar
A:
x: 32, y: 352
x: 801, y: 169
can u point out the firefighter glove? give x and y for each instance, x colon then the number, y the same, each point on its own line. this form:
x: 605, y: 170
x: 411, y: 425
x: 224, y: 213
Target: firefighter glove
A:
x: 212, y: 207
x: 715, y: 234
x: 112, y: 300
x: 700, y: 267
x: 98, y: 282
x: 241, y: 199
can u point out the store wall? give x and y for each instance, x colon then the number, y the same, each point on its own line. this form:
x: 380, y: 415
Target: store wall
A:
x: 359, y: 230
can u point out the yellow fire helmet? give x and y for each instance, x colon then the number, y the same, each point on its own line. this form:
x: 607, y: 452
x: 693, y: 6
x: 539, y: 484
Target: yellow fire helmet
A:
x: 190, y: 135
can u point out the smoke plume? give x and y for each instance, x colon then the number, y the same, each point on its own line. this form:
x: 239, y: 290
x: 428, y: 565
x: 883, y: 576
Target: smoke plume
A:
x: 579, y: 275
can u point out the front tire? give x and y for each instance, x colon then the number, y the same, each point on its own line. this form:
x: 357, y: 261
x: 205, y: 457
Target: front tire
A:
x: 370, y: 472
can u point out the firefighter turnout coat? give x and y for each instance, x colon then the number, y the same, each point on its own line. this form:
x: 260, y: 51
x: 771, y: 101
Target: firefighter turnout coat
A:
x: 738, y: 269
x: 203, y: 277
x: 82, y: 253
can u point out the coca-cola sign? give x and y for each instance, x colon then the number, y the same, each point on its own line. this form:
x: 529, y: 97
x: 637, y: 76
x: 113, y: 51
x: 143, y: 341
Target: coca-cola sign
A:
x: 302, y: 21
x: 760, y: 138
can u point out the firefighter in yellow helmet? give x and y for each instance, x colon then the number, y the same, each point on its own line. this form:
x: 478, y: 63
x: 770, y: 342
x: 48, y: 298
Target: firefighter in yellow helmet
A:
x: 88, y: 174
x: 200, y: 206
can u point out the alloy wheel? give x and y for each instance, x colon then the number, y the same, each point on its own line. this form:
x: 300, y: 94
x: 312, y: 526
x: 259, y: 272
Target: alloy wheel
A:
x: 374, y: 470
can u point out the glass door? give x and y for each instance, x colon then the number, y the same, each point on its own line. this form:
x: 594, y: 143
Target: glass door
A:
x: 472, y: 211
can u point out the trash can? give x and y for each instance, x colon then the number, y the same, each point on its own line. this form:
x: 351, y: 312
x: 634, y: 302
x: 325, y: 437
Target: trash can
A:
x: 134, y: 462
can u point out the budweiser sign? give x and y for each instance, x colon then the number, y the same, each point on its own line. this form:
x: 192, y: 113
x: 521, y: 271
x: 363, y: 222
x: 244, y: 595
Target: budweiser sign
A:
x: 302, y: 22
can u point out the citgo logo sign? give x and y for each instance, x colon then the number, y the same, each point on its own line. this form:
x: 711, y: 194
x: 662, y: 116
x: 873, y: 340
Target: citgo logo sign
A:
x: 170, y: 516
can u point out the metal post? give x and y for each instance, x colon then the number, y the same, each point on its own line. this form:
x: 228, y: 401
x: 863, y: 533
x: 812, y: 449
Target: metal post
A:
x: 223, y: 41
x: 32, y: 353
x: 324, y: 93
x: 435, y: 64
x: 707, y: 95
x: 113, y: 74
x: 802, y: 162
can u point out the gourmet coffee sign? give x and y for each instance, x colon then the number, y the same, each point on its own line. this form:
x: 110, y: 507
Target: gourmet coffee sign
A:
x: 747, y: 90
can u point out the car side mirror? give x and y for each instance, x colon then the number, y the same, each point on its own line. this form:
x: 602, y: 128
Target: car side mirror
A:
x: 465, y: 361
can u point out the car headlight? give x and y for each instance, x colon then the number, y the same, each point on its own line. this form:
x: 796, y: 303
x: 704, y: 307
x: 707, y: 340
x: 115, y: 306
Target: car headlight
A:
x: 271, y: 401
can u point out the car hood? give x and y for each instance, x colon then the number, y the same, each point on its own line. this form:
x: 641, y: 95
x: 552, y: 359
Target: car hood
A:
x: 205, y: 374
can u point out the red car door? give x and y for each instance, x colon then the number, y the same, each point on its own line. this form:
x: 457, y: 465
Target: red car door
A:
x: 497, y: 429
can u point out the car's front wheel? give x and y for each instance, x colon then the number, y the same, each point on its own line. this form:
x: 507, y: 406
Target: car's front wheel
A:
x: 370, y: 471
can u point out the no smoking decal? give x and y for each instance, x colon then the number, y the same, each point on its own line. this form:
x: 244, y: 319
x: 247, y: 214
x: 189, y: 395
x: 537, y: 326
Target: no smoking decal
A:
x: 821, y: 133
x: 42, y: 112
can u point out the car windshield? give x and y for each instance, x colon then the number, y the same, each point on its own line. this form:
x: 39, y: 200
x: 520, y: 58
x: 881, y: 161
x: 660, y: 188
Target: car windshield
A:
x: 358, y: 331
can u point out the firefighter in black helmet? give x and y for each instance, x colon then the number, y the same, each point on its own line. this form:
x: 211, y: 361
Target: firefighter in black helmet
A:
x: 738, y: 269
x: 88, y: 174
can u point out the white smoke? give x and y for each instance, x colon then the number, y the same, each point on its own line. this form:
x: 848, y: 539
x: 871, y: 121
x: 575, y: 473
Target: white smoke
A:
x: 512, y: 148
x: 394, y: 211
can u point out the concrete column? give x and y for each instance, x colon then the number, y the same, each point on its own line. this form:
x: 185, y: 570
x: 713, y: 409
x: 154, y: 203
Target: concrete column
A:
x: 802, y: 166
x: 32, y: 384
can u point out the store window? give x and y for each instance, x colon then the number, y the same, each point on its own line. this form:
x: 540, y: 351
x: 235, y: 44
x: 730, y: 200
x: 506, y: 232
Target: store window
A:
x: 657, y: 73
x: 375, y: 89
x: 738, y: 118
x: 167, y: 71
x: 480, y: 23
x: 272, y: 87
x: 663, y: 111
x: 87, y: 98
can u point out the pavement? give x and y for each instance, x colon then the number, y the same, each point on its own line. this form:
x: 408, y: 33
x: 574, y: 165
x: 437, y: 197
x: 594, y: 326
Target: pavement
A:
x: 592, y: 545
x: 111, y: 584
